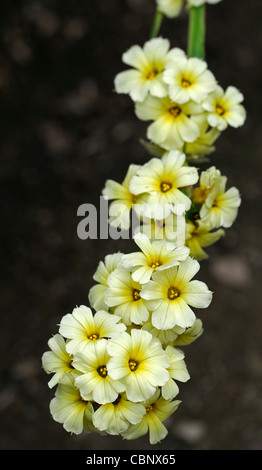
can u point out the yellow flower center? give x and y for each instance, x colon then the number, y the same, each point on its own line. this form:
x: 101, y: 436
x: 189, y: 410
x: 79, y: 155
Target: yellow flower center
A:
x: 152, y: 74
x: 173, y: 293
x: 220, y: 110
x: 164, y: 186
x: 136, y: 294
x: 195, y: 216
x: 102, y: 370
x: 133, y: 365
x: 93, y: 337
x: 134, y: 198
x: 199, y: 195
x: 175, y: 111
x: 155, y: 265
x: 149, y: 408
x: 185, y: 83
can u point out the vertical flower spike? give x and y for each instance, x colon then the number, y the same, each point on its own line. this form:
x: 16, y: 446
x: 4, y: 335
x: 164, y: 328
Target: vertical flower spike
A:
x: 116, y: 365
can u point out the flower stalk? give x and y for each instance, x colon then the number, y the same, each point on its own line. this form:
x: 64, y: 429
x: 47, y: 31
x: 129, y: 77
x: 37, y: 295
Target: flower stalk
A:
x: 158, y: 18
x: 196, y: 32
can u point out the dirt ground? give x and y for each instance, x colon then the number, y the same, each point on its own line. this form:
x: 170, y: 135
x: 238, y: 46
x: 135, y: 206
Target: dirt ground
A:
x: 63, y: 133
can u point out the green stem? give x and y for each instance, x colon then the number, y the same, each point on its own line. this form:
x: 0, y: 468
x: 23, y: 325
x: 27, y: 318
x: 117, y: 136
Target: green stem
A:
x: 197, y: 32
x: 156, y: 24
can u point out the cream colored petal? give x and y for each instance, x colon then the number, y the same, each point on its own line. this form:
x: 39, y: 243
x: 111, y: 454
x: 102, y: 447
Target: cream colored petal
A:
x: 156, y: 49
x: 197, y: 294
x: 186, y: 271
x: 150, y: 109
x: 135, y: 57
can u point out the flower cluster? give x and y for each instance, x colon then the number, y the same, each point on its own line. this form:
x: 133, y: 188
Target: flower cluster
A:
x: 116, y: 369
x: 174, y: 203
x: 181, y: 96
x: 116, y: 364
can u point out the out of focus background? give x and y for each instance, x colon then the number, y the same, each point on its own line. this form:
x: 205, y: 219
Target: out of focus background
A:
x: 64, y: 131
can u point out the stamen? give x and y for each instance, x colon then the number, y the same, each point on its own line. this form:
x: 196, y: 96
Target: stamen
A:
x: 133, y: 365
x: 102, y: 370
x: 93, y: 337
x: 185, y: 83
x: 136, y: 294
x: 164, y: 186
x: 155, y: 265
x: 149, y: 408
x: 175, y: 111
x: 220, y: 110
x: 152, y: 74
x: 173, y: 293
x: 134, y: 198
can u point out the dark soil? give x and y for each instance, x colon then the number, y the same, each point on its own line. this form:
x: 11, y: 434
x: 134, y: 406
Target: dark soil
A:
x: 63, y: 133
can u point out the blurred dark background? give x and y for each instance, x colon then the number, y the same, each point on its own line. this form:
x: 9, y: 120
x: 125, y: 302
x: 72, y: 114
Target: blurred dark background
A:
x: 63, y: 133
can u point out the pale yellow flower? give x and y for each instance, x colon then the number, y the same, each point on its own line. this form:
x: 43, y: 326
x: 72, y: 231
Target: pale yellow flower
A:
x: 161, y: 181
x: 57, y: 361
x: 208, y: 179
x: 173, y: 125
x: 123, y: 199
x: 166, y: 337
x: 139, y: 362
x: 104, y: 268
x: 95, y: 382
x: 82, y: 327
x: 177, y: 371
x: 224, y: 109
x: 69, y: 409
x: 200, y: 235
x: 157, y: 411
x: 148, y: 63
x: 154, y: 256
x: 171, y: 229
x: 170, y: 8
x: 190, y: 334
x: 204, y: 144
x: 170, y: 294
x: 123, y: 294
x: 220, y: 208
x: 188, y: 79
x: 114, y: 418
